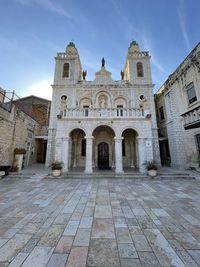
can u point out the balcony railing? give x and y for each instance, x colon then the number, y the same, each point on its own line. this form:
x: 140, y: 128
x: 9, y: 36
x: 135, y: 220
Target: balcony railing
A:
x: 102, y: 113
x: 191, y: 118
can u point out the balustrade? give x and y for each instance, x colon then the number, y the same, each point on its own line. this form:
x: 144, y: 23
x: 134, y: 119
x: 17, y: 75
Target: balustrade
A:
x: 191, y: 117
x: 102, y: 113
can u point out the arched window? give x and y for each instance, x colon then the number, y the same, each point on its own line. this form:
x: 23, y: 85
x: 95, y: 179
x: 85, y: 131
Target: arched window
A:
x: 66, y: 70
x: 140, y: 72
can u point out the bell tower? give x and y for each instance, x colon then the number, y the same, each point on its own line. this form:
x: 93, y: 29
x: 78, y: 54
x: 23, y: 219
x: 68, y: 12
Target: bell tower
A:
x: 137, y: 67
x: 68, y: 66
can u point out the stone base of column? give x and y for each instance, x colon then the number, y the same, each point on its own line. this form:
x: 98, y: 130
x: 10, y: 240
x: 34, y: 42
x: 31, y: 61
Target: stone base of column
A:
x: 65, y: 170
x: 119, y: 171
x: 142, y: 169
x: 88, y: 171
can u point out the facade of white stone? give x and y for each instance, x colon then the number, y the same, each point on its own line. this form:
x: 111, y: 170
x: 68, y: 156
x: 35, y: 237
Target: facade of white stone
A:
x: 103, y: 123
x: 178, y: 110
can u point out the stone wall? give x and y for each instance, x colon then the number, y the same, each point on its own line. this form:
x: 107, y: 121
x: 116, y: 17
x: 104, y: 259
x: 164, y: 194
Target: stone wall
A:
x: 17, y: 130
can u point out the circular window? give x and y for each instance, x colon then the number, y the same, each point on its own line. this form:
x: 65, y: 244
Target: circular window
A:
x: 63, y: 97
x: 142, y: 97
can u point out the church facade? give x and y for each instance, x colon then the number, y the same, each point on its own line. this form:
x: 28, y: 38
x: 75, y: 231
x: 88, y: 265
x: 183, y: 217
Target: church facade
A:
x: 103, y: 124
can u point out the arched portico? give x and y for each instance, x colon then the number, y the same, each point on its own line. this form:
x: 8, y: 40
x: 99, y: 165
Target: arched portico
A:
x: 103, y: 147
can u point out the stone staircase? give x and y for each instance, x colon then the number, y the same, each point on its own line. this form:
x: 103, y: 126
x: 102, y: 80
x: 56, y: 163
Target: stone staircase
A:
x: 126, y: 175
x: 36, y: 173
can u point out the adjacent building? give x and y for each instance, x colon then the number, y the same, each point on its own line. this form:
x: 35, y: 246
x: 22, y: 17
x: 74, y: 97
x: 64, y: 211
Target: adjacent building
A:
x: 178, y: 114
x: 23, y: 126
x: 103, y: 123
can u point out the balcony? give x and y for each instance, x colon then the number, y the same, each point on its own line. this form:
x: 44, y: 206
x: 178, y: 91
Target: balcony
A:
x: 191, y: 118
x: 77, y: 113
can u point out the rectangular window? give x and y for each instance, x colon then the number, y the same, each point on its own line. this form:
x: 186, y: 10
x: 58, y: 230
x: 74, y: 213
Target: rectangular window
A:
x: 191, y: 93
x: 86, y: 110
x: 83, y: 148
x: 161, y: 112
x: 120, y: 110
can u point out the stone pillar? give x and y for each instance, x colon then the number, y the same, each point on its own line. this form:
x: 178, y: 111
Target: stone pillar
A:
x: 88, y: 160
x: 74, y: 145
x: 141, y: 154
x: 58, y: 149
x: 65, y: 153
x: 118, y: 155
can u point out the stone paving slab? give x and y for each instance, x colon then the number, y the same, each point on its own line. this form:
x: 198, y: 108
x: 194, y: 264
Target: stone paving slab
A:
x: 38, y: 257
x: 99, y: 222
x: 58, y: 260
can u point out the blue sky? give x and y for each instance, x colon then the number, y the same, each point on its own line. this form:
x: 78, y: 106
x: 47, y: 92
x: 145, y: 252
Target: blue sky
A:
x: 33, y: 31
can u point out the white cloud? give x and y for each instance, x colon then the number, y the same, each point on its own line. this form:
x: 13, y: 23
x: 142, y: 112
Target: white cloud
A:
x: 47, y: 4
x: 41, y: 88
x: 182, y: 21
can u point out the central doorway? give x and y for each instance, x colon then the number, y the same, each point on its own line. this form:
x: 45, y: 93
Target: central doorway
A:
x: 103, y: 156
x: 103, y: 148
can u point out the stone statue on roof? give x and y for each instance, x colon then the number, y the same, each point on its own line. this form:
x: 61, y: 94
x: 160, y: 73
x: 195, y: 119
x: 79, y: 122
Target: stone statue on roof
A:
x: 122, y: 75
x: 84, y: 73
x: 103, y: 62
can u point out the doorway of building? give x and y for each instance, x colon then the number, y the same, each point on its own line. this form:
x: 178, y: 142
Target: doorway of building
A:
x: 41, y: 150
x: 103, y: 156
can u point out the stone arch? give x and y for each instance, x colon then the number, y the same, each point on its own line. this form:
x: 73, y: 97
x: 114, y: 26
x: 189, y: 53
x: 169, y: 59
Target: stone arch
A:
x: 77, y: 148
x: 108, y: 99
x: 76, y: 128
x: 120, y: 100
x: 103, y: 147
x: 129, y: 148
x: 131, y: 128
x: 104, y: 125
x: 85, y: 101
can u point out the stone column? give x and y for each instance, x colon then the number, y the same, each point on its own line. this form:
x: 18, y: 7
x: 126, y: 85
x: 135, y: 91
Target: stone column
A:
x: 74, y: 145
x: 141, y: 154
x: 65, y: 153
x: 132, y: 152
x: 88, y: 160
x: 118, y: 155
x: 58, y: 149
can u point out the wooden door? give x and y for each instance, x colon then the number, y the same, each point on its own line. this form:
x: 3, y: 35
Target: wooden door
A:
x: 103, y: 156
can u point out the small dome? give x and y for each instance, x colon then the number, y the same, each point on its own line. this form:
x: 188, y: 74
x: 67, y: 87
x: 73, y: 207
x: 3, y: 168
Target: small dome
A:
x: 71, y: 48
x: 133, y: 43
x: 71, y: 44
x: 133, y: 46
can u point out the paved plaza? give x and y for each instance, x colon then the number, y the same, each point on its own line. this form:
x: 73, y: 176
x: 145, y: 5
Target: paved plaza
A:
x: 99, y: 222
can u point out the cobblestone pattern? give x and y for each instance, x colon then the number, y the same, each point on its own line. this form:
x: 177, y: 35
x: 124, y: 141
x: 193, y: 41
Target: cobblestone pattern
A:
x: 99, y: 223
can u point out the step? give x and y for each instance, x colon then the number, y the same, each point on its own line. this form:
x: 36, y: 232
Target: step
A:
x: 2, y: 173
x: 125, y: 176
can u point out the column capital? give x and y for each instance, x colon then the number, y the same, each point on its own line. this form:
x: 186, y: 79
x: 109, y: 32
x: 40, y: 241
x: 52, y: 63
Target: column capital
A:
x: 89, y: 137
x: 118, y: 138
